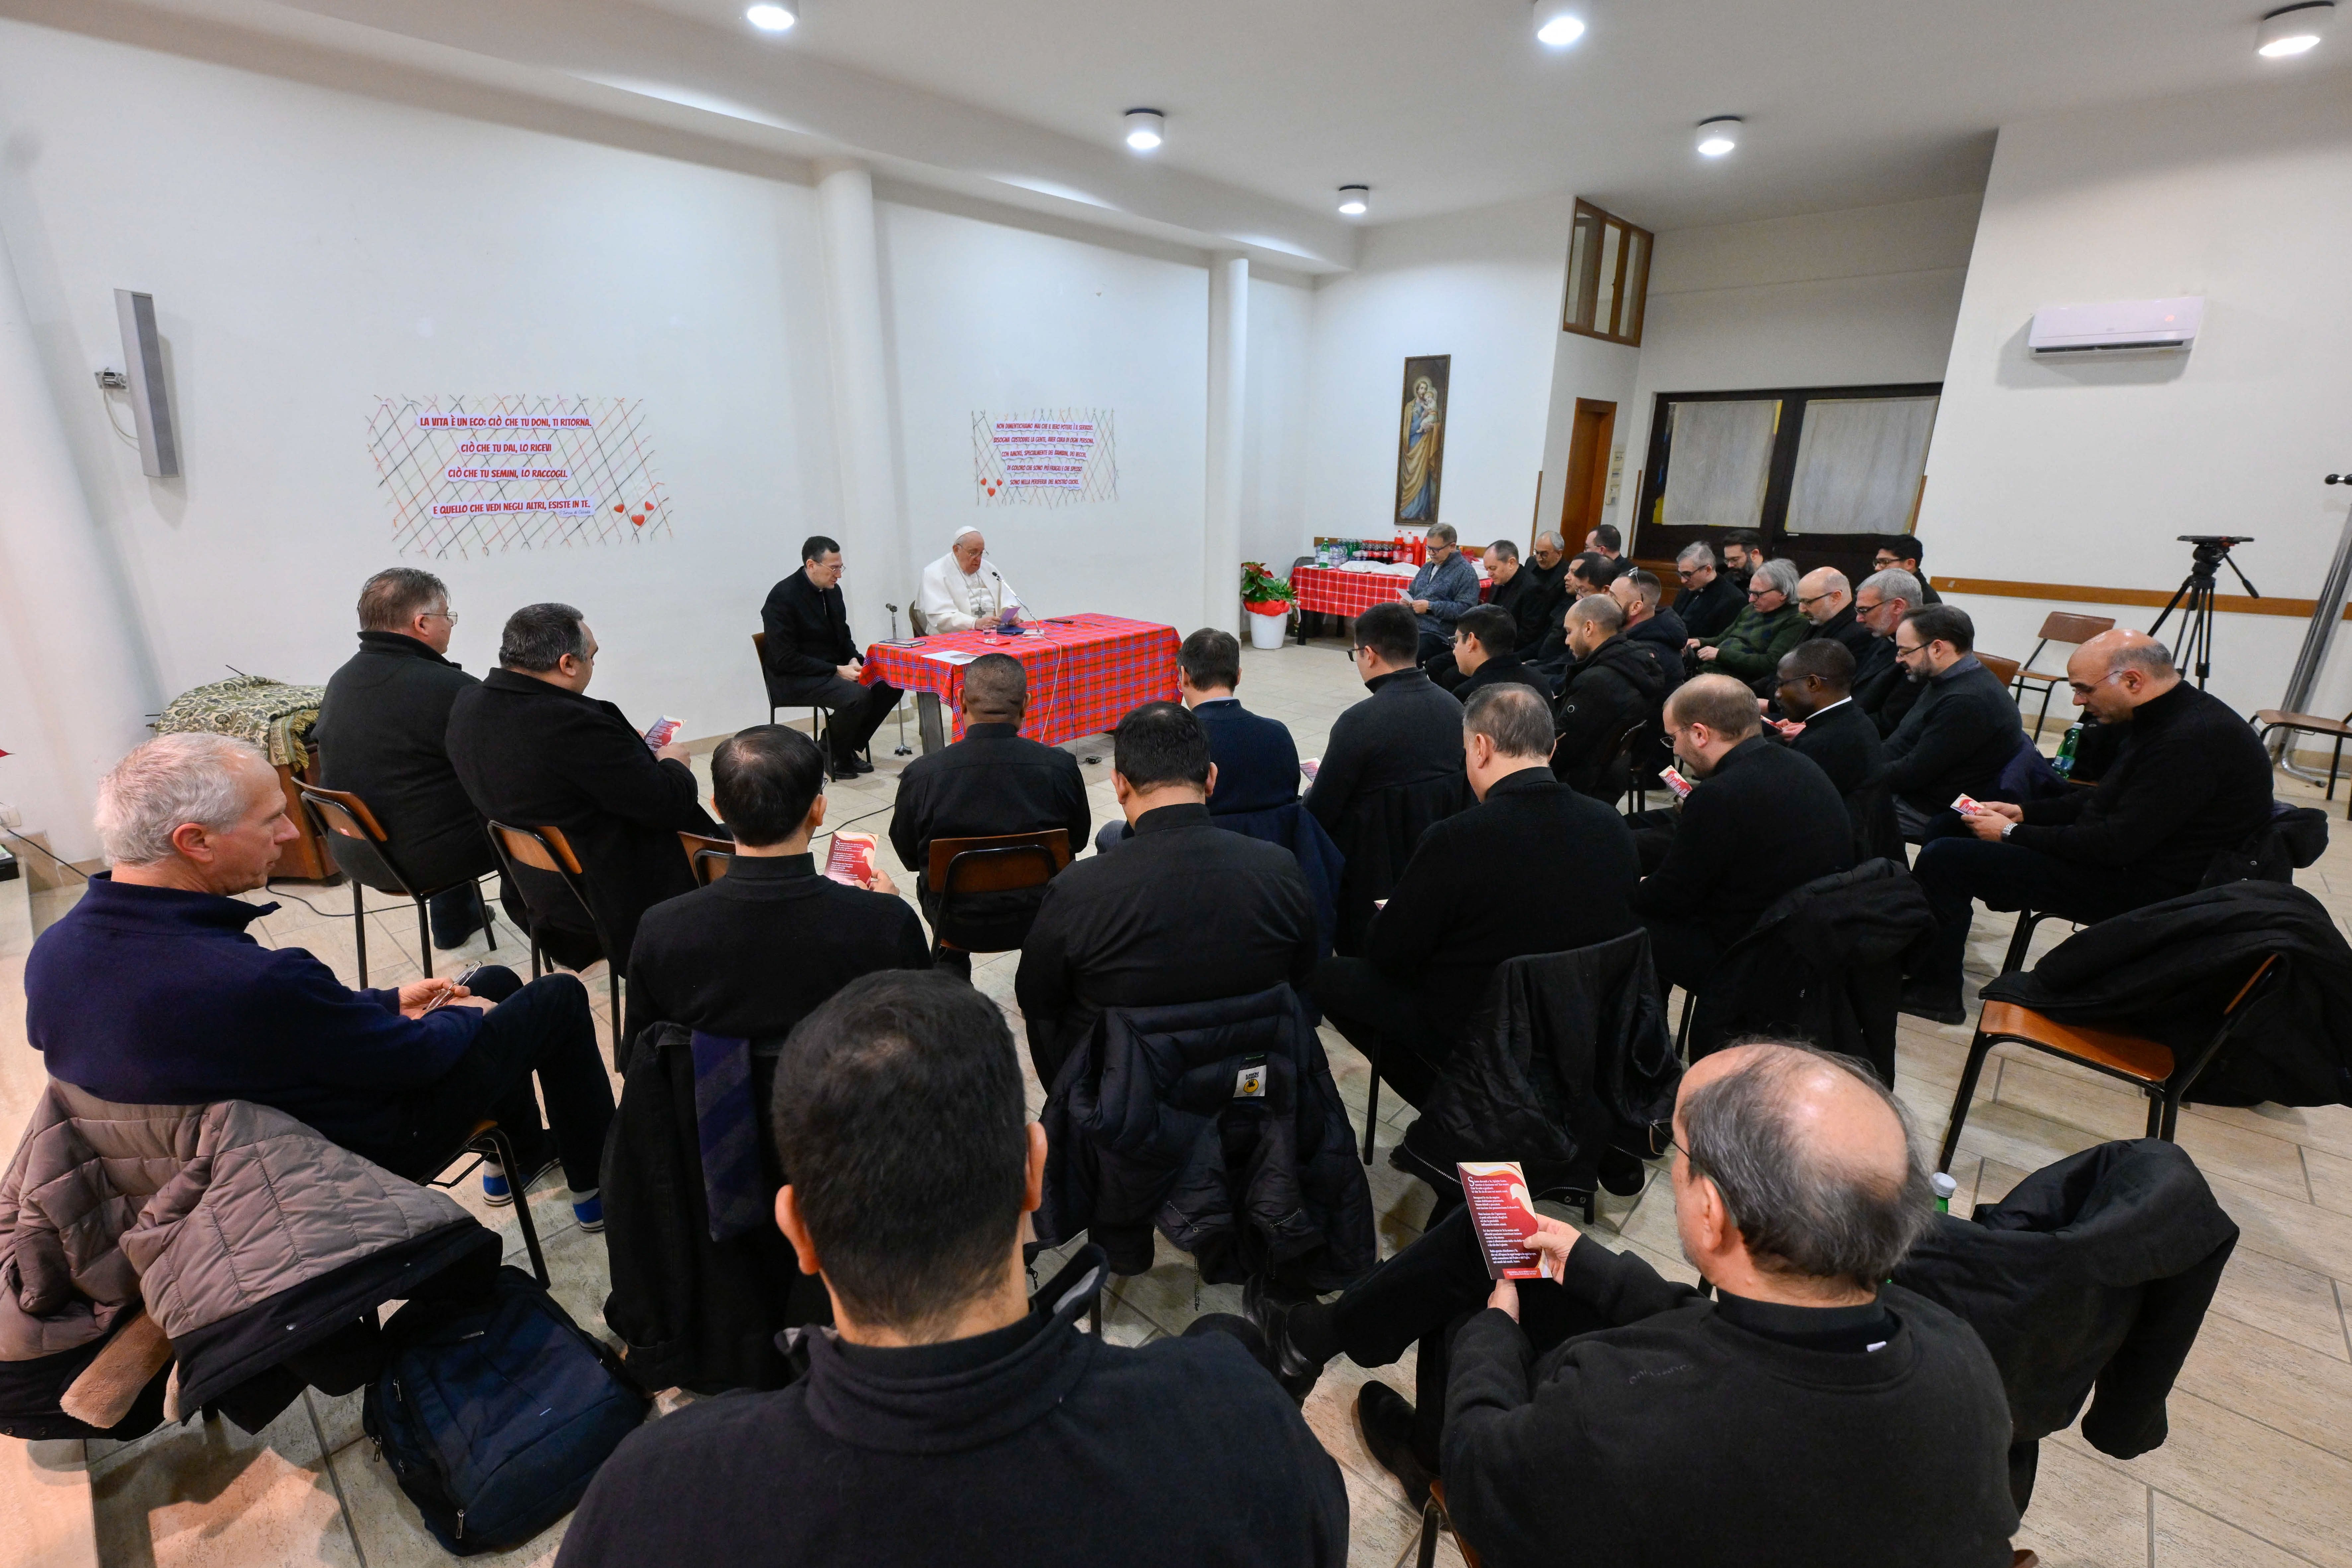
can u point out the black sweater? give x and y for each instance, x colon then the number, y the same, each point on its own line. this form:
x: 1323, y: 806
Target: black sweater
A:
x: 1766, y: 821
x: 383, y: 734
x: 1408, y: 730
x: 1698, y: 1442
x: 808, y: 635
x: 2192, y: 779
x: 1843, y: 744
x: 991, y: 781
x: 1494, y: 882
x: 1709, y: 611
x: 757, y: 950
x: 1035, y: 1444
x: 1620, y: 682
x: 1957, y: 739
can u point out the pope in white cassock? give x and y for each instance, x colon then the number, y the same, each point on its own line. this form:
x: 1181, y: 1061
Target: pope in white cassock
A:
x: 961, y: 589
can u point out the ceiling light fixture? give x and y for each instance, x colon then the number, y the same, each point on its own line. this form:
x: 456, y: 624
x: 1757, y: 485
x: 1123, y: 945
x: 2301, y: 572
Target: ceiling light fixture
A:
x: 1146, y: 129
x: 1718, y: 136
x: 1355, y: 201
x: 2295, y: 30
x: 774, y: 18
x: 1557, y: 23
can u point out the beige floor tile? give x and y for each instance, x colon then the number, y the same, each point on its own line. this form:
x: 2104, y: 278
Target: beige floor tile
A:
x: 2331, y: 1180
x: 2249, y: 1475
x: 2085, y: 1514
x: 2190, y: 1538
x: 205, y: 1495
x: 2111, y: 1111
x: 2294, y: 1303
x: 1381, y: 1528
x: 2300, y: 1392
x: 2291, y: 1231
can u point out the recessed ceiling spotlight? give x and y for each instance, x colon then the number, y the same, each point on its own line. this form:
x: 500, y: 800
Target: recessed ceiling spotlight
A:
x: 1355, y: 201
x: 774, y: 18
x: 1557, y: 24
x: 1146, y: 129
x: 2295, y: 30
x: 1718, y: 136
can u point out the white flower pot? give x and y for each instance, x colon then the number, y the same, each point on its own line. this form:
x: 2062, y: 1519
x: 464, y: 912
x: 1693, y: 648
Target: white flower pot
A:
x: 1267, y: 631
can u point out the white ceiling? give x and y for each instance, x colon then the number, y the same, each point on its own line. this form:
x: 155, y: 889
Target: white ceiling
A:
x: 1439, y: 106
x: 1442, y: 105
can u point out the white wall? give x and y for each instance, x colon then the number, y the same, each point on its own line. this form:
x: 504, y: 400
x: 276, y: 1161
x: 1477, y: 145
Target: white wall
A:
x: 2082, y: 473
x: 1481, y: 285
x: 1841, y: 299
x: 1275, y: 434
x: 1604, y: 372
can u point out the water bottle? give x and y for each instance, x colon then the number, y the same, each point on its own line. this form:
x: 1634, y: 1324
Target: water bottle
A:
x: 1945, y: 1187
x: 2062, y: 764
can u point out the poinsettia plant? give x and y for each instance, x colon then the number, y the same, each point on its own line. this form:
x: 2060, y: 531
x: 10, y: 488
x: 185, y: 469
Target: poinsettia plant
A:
x: 1260, y: 586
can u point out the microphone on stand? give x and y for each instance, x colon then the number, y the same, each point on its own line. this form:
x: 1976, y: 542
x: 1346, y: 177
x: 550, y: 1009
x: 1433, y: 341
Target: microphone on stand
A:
x: 903, y: 750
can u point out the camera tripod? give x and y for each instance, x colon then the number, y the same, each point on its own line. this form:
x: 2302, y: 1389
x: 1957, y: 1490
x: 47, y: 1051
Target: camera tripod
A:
x: 2195, y: 598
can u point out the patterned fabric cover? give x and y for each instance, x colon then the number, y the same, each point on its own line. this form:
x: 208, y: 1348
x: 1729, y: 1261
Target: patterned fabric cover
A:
x: 270, y: 713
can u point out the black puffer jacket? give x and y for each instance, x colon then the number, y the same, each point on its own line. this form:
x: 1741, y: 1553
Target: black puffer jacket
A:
x: 2166, y: 971
x: 1618, y: 683
x: 1571, y: 1056
x: 2096, y: 1269
x: 1219, y: 1123
x: 1825, y: 963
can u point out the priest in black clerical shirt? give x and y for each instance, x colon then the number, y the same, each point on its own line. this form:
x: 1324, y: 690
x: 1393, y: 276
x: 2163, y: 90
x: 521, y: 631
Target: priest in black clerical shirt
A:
x: 754, y: 953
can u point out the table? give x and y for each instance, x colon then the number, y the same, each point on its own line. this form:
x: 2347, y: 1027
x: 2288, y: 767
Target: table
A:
x: 1086, y: 671
x: 1329, y: 591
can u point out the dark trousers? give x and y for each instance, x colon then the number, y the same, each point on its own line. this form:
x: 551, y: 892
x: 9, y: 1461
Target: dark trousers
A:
x: 1682, y: 951
x: 1423, y: 1295
x: 1392, y: 1024
x: 1434, y: 644
x: 544, y: 1028
x: 456, y: 913
x: 1445, y: 671
x: 1954, y: 871
x: 1653, y: 835
x: 852, y: 712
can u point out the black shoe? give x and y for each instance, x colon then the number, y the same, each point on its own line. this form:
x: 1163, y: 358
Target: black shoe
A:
x: 1622, y: 1174
x: 1385, y: 1417
x: 1921, y: 1002
x: 1293, y: 1368
x: 861, y: 764
x: 841, y: 772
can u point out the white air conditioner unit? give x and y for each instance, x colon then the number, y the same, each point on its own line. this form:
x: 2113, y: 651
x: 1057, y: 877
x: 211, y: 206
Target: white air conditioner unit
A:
x: 2125, y: 324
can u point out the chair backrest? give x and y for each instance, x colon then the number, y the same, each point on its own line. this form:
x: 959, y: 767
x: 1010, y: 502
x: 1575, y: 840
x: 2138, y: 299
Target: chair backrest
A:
x: 998, y: 862
x: 343, y: 814
x: 920, y: 622
x: 540, y: 848
x: 2004, y: 669
x: 2064, y: 625
x: 350, y: 837
x: 710, y: 857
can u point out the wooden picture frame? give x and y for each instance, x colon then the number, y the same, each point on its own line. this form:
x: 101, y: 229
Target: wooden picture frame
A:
x: 1421, y: 439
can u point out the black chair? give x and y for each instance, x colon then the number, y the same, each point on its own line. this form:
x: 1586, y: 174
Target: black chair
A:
x: 710, y: 857
x: 365, y: 853
x: 920, y: 623
x: 2145, y: 1064
x: 816, y: 715
x: 488, y: 1140
x: 996, y: 863
x: 531, y: 857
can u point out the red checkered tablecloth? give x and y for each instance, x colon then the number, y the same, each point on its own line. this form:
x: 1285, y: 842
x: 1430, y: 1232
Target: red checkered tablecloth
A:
x: 1329, y: 591
x: 1086, y: 671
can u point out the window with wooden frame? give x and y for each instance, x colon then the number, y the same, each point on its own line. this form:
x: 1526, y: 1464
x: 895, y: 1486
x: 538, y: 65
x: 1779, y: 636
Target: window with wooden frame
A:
x: 1608, y: 277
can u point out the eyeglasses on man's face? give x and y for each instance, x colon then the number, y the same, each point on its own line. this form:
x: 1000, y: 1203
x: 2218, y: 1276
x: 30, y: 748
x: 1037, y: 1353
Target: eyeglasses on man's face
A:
x: 447, y: 615
x: 1759, y: 592
x: 1816, y: 599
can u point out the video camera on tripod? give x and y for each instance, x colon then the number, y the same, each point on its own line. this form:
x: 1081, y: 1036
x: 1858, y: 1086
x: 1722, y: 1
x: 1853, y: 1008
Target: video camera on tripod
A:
x: 2195, y: 594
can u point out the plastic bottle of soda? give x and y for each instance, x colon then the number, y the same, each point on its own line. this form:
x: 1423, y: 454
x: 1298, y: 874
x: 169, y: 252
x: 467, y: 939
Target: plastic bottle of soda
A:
x: 2062, y: 764
x: 1945, y: 1187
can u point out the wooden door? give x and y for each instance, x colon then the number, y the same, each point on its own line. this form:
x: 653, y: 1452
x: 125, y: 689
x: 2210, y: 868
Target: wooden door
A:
x: 1587, y: 487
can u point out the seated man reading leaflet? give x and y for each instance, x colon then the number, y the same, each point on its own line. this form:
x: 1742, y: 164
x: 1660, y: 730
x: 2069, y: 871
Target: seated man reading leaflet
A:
x: 708, y: 959
x: 951, y: 1416
x: 1810, y: 1413
x: 151, y: 991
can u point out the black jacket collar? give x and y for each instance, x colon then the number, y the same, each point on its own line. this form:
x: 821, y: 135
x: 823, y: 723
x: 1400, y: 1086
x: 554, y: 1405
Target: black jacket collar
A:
x: 1162, y: 818
x: 766, y: 876
x: 401, y: 645
x: 1401, y: 679
x: 990, y: 731
x: 1533, y: 779
x: 1755, y: 745
x: 2163, y: 710
x: 516, y: 683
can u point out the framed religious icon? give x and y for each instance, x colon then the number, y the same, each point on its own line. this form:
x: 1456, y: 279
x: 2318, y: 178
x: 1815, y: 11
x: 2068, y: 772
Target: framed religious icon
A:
x: 1421, y: 439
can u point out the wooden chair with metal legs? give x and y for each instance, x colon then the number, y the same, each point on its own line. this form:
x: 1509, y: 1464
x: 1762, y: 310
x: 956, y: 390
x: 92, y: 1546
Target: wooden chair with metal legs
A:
x: 996, y: 863
x: 546, y: 850
x: 2271, y: 719
x: 2004, y: 669
x: 709, y: 858
x: 817, y: 716
x: 2145, y: 1064
x: 366, y: 856
x: 489, y: 1141
x: 2057, y: 626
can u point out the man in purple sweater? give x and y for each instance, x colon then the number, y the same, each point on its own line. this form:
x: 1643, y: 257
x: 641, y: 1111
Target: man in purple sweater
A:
x: 149, y: 992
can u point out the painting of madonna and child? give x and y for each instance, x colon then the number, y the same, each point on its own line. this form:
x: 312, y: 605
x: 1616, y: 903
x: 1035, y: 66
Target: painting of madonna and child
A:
x: 1421, y: 439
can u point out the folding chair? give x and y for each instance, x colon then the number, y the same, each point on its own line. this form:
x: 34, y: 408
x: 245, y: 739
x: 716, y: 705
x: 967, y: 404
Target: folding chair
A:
x: 368, y: 858
x: 710, y: 857
x: 546, y: 851
x: 2059, y: 626
x: 2145, y: 1064
x: 2271, y: 719
x: 996, y: 863
x: 488, y: 1140
x: 816, y: 715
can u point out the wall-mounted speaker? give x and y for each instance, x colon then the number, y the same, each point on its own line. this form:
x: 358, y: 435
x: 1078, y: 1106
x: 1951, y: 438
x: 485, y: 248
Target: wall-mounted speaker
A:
x: 159, y: 441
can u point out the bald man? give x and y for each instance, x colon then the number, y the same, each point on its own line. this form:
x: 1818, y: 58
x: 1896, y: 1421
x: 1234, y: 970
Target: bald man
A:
x: 1827, y: 600
x: 1811, y: 1412
x: 2189, y: 782
x: 962, y: 589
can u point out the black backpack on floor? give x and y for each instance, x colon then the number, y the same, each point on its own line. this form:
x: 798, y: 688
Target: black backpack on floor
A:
x: 495, y: 1415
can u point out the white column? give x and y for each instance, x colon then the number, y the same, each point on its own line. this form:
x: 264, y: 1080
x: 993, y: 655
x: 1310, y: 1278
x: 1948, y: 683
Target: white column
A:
x: 1221, y: 532
x: 873, y: 536
x: 80, y: 694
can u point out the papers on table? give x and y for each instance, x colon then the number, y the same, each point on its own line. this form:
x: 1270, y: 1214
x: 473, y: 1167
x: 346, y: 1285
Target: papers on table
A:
x: 951, y: 655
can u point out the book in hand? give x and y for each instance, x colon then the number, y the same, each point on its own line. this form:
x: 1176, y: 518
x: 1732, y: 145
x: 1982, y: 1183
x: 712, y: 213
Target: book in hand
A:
x: 661, y: 731
x: 1310, y: 767
x: 1503, y: 1215
x: 1966, y: 805
x: 851, y: 859
x: 1676, y: 783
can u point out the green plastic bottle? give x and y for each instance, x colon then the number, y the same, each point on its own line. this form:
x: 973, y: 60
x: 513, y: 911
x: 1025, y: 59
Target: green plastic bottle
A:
x: 2062, y: 764
x: 1945, y: 1187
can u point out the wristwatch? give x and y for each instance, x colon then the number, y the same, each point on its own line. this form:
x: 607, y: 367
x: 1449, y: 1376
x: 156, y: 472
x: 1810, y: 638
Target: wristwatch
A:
x: 2007, y: 828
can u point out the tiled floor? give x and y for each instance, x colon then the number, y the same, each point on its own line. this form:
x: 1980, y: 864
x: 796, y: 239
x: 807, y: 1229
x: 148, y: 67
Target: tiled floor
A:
x: 2258, y: 1472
